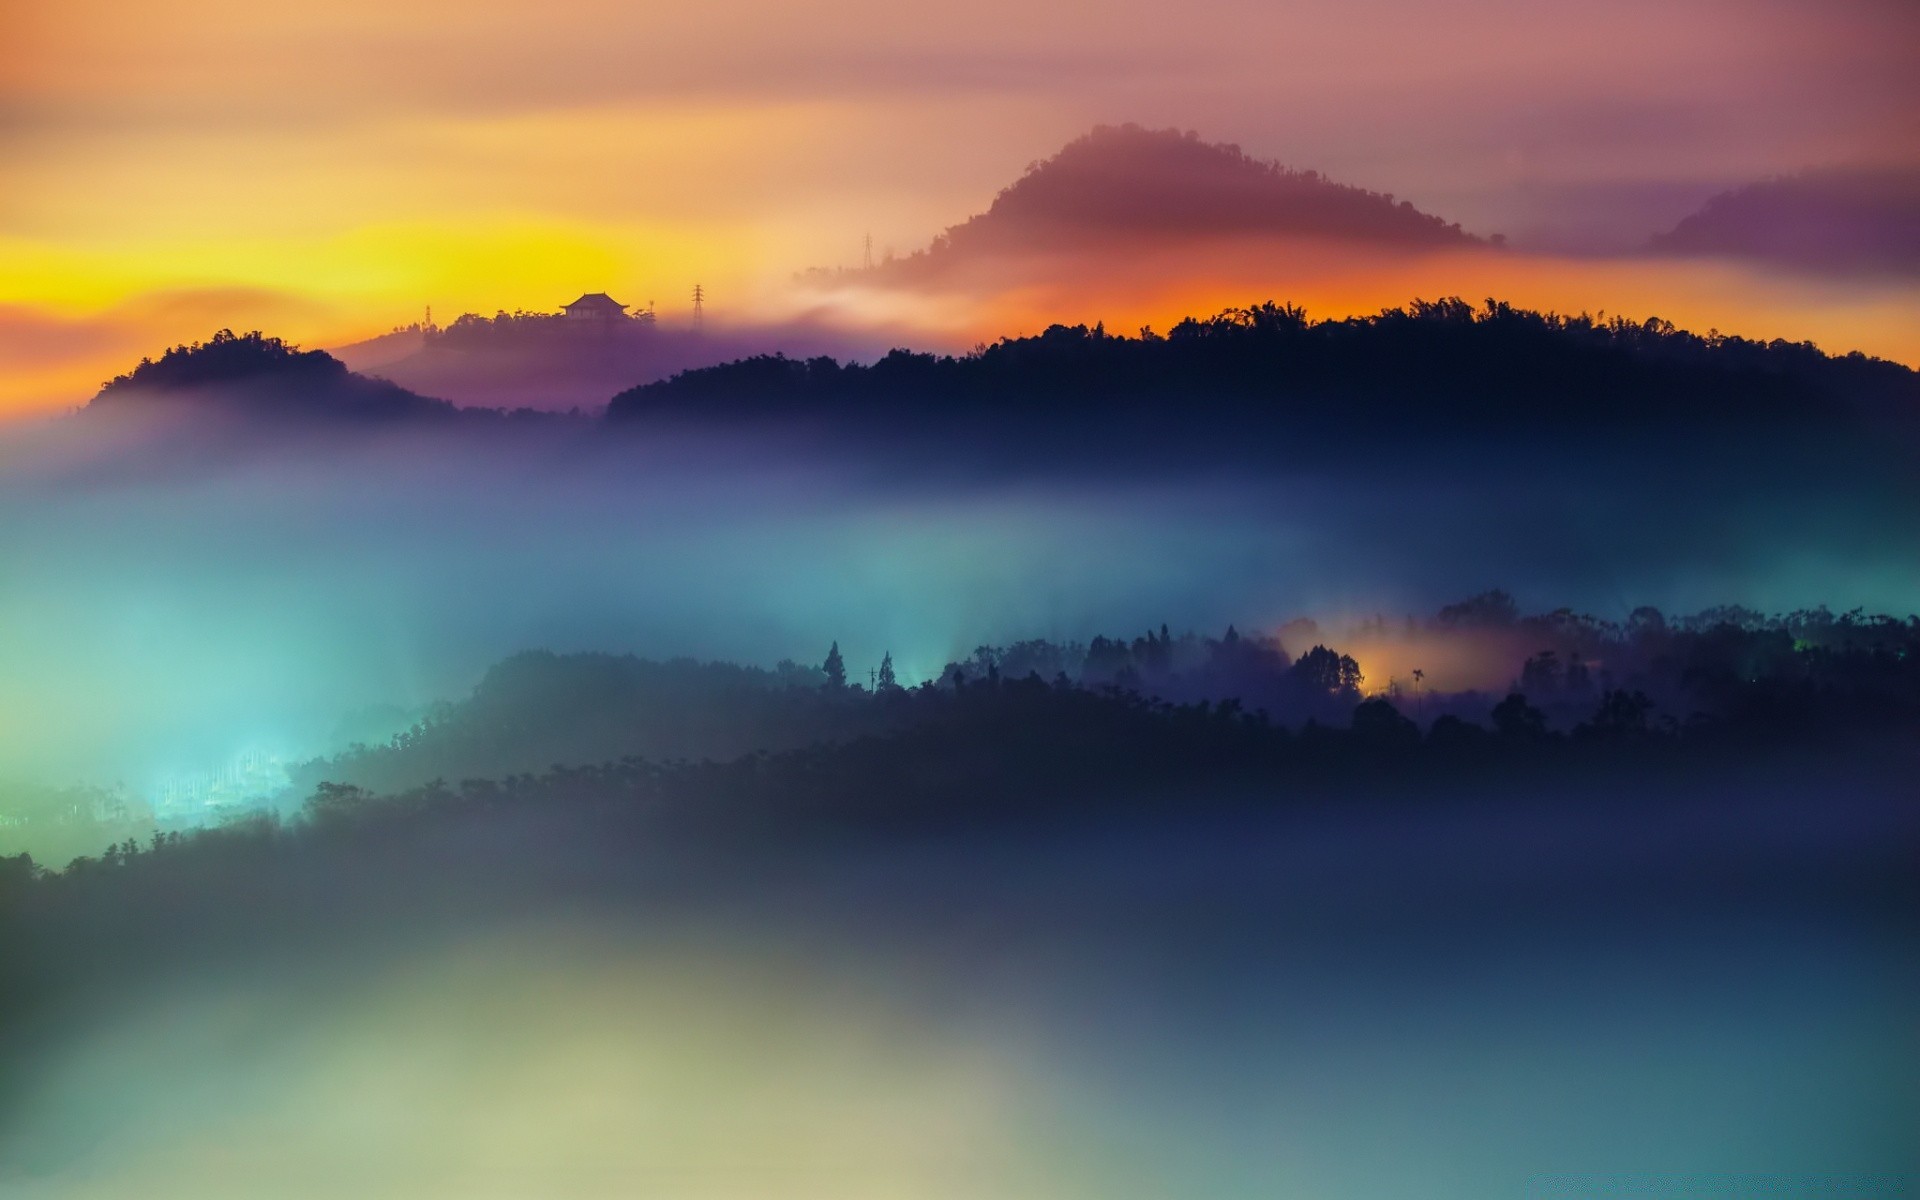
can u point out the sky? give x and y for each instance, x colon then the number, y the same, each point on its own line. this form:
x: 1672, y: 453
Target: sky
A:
x: 326, y: 171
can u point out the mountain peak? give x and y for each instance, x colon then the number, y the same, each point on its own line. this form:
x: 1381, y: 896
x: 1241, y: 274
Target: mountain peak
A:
x: 1127, y: 180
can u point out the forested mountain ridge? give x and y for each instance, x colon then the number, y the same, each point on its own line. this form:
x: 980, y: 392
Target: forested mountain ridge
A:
x: 1805, y: 673
x: 1442, y: 364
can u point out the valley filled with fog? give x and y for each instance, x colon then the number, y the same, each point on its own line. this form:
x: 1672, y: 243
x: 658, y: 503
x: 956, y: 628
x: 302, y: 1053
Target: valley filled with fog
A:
x: 166, y: 609
x: 1540, y: 988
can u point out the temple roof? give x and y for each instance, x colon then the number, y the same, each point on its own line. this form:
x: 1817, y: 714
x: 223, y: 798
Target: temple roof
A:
x: 597, y: 302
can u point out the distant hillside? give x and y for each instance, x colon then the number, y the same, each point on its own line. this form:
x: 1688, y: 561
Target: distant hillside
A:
x: 1841, y: 221
x: 541, y: 360
x: 252, y: 375
x: 1431, y: 368
x: 375, y: 353
x: 1791, y: 675
x: 539, y: 709
x: 1144, y: 184
x: 545, y: 362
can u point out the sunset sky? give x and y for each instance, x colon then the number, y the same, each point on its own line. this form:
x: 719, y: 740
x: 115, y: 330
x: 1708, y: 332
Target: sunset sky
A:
x: 325, y: 171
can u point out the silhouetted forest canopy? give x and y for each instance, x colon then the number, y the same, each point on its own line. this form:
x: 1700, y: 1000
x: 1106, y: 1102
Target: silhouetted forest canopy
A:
x: 252, y: 375
x: 984, y: 743
x: 60, y: 823
x: 226, y: 357
x: 1432, y: 366
x: 1858, y: 220
x: 1725, y: 677
x: 523, y: 331
x: 1129, y: 181
x: 252, y: 372
x: 1724, y: 672
x: 583, y: 777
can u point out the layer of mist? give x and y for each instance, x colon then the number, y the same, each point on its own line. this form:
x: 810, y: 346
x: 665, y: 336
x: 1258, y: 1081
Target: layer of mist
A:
x: 164, y: 613
x: 1544, y: 986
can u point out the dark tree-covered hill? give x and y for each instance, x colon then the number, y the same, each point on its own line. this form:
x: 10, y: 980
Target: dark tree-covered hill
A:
x: 252, y: 375
x: 1780, y: 677
x: 539, y: 709
x: 1431, y: 367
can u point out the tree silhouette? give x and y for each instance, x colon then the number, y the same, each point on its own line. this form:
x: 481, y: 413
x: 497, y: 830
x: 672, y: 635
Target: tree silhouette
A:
x: 261, y: 376
x: 835, y: 668
x: 1515, y: 718
x: 1443, y: 366
x: 1540, y: 674
x: 1328, y: 670
x: 1378, y: 723
x: 1621, y: 715
x: 1489, y: 610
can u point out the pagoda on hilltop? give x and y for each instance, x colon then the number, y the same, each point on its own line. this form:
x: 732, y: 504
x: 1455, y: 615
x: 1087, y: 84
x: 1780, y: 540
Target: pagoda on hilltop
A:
x: 595, y: 306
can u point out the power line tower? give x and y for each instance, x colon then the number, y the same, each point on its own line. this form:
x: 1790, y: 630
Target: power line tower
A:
x: 867, y: 253
x: 699, y: 306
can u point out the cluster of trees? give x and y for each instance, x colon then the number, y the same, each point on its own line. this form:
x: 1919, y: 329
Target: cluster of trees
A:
x: 980, y: 748
x: 58, y: 823
x: 1439, y: 367
x: 520, y: 330
x: 1443, y: 368
x: 1732, y: 668
x: 1726, y: 661
x: 259, y: 375
x: 1254, y: 670
x: 268, y: 382
x: 538, y: 709
x: 226, y: 357
x: 1727, y: 672
x: 999, y: 748
x: 1812, y: 666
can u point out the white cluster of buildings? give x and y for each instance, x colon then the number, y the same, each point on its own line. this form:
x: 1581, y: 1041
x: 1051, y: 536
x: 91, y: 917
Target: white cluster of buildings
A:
x: 248, y: 781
